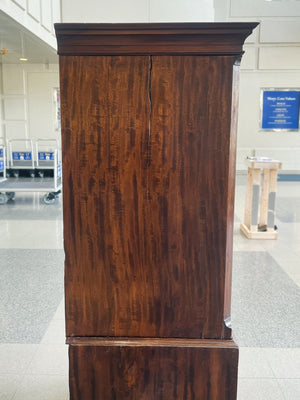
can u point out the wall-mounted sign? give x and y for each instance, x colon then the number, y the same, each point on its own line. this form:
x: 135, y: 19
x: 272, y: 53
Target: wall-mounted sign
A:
x: 280, y: 109
x: 57, y: 116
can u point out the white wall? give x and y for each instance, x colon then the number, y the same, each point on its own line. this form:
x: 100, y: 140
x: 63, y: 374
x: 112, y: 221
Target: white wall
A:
x: 137, y: 10
x: 38, y: 16
x: 271, y: 60
x: 26, y: 93
x: 27, y: 101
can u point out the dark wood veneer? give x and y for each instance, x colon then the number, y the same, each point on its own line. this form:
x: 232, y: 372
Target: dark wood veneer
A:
x: 149, y: 116
x: 153, y: 372
x: 150, y: 218
x: 152, y: 38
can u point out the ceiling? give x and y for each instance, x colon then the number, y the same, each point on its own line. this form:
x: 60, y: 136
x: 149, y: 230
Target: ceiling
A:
x: 19, y: 42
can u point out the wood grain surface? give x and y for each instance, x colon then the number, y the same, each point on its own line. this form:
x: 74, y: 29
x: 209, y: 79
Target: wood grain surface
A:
x: 145, y: 372
x: 153, y: 38
x: 149, y: 118
x: 146, y: 158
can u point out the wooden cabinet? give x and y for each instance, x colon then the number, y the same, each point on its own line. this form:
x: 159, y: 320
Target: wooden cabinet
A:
x: 148, y: 139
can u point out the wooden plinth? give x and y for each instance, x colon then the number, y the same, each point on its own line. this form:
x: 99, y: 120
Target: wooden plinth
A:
x: 149, y: 369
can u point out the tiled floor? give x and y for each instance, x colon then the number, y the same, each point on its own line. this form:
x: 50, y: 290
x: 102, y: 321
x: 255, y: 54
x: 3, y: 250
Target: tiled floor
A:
x: 34, y: 365
x: 271, y: 373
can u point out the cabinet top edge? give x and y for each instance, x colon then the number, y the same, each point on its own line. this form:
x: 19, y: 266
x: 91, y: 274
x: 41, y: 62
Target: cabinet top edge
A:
x: 214, y: 38
x: 151, y: 27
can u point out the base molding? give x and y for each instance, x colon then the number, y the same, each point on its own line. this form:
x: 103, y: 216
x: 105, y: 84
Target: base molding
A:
x: 270, y: 234
x: 152, y: 369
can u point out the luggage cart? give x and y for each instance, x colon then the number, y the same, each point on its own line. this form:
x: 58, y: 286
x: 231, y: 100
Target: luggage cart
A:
x: 2, y: 163
x: 44, y: 149
x: 52, y: 186
x: 20, y: 157
x: 3, y: 154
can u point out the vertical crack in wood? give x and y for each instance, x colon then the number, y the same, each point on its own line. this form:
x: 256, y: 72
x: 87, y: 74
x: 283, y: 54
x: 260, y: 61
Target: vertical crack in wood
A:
x: 150, y: 121
x: 150, y: 109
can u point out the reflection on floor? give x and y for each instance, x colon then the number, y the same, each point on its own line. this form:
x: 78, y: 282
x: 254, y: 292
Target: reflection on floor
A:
x: 265, y: 301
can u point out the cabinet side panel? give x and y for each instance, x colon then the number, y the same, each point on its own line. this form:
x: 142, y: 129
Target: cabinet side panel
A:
x: 190, y: 138
x: 146, y: 158
x: 105, y: 119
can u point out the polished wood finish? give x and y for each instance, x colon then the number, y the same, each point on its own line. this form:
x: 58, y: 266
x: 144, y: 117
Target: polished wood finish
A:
x: 150, y: 219
x: 148, y: 139
x: 130, y: 370
x: 153, y: 38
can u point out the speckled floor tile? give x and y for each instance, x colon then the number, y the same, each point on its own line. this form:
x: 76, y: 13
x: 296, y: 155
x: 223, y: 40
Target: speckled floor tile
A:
x: 49, y: 359
x: 284, y: 362
x: 8, y: 385
x: 26, y: 234
x: 296, y: 278
x: 31, y: 288
x: 15, y: 358
x: 42, y: 387
x: 265, y: 302
x: 55, y: 333
x: 259, y: 389
x: 60, y: 311
x: 254, y: 364
x: 290, y: 388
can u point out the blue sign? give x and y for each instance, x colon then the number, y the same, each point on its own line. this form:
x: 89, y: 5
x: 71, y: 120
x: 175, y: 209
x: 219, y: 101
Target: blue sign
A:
x: 59, y: 170
x: 1, y: 152
x: 46, y: 156
x: 1, y: 165
x: 21, y: 156
x: 280, y: 109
